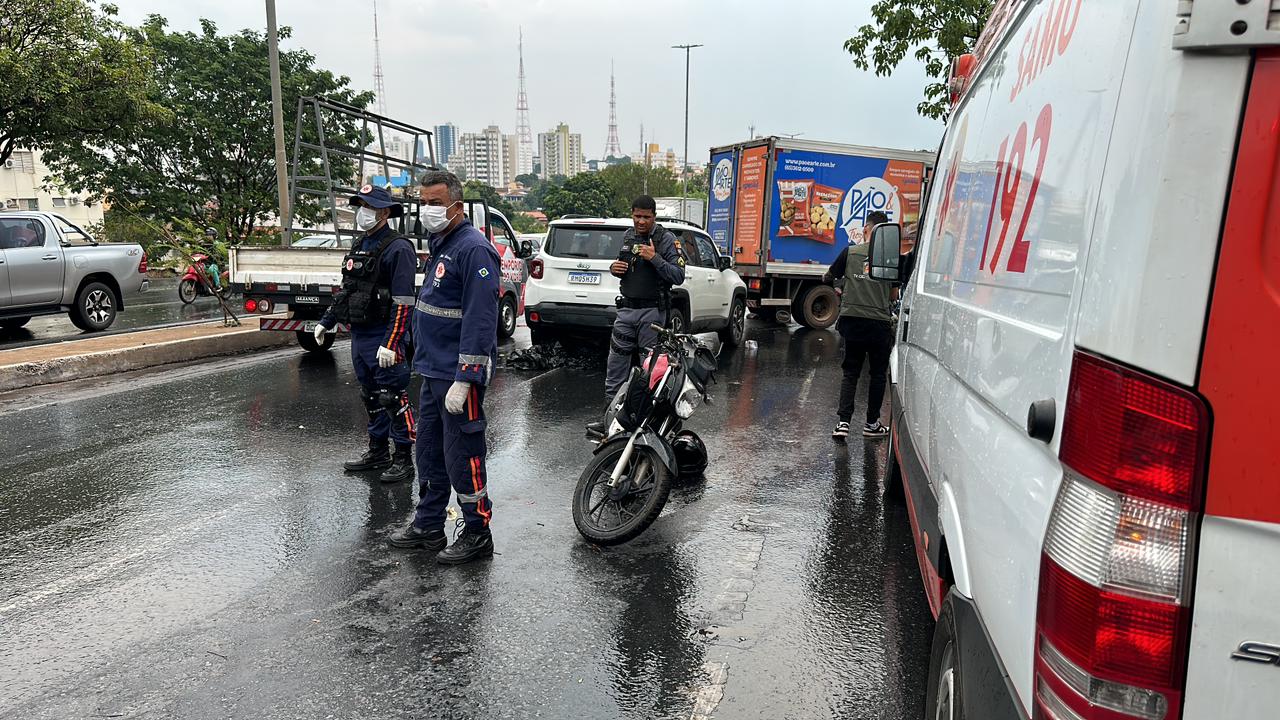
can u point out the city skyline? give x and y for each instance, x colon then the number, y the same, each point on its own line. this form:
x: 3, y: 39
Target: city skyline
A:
x: 749, y: 74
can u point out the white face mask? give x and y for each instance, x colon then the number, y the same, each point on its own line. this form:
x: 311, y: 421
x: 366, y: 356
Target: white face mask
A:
x: 366, y: 218
x: 434, y: 218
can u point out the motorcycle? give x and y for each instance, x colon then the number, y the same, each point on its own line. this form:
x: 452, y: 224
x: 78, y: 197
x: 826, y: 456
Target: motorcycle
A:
x: 195, y: 281
x: 645, y: 447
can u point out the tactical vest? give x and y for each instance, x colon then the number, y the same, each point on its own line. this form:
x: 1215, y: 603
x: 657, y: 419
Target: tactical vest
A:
x: 368, y: 299
x: 642, y: 281
x: 864, y: 297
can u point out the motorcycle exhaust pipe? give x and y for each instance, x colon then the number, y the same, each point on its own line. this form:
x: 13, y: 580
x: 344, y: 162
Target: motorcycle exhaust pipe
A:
x: 783, y: 317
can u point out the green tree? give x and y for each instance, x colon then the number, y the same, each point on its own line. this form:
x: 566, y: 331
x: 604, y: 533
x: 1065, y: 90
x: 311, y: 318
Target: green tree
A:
x: 210, y: 162
x: 585, y: 194
x: 627, y: 182
x: 522, y: 223
x: 935, y: 32
x: 537, y: 194
x: 69, y: 75
x: 527, y: 179
x: 476, y: 190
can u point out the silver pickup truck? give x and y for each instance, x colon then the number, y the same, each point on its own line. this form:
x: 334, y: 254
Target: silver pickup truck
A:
x: 49, y: 266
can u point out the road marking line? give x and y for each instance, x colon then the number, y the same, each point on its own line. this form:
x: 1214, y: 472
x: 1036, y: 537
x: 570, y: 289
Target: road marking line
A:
x: 707, y: 697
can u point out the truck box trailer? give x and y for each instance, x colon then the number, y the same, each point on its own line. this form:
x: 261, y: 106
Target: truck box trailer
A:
x: 784, y: 208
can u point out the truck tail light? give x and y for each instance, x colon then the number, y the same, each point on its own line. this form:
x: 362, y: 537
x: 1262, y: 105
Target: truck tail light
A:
x: 1114, y: 615
x: 535, y: 269
x: 264, y: 306
x: 142, y: 264
x: 251, y: 305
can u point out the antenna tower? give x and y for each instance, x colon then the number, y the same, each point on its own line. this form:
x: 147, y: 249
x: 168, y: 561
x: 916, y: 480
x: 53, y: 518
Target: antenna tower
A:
x: 612, y: 148
x: 379, y: 87
x: 523, y: 133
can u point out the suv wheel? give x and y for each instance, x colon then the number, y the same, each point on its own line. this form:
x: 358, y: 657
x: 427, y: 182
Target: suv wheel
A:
x: 678, y: 321
x: 95, y: 308
x: 733, y: 332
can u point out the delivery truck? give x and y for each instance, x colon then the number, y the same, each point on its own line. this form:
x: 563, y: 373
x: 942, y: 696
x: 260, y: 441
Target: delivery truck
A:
x: 783, y: 208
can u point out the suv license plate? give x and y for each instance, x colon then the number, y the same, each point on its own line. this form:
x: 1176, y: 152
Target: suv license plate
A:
x: 582, y: 278
x: 306, y: 299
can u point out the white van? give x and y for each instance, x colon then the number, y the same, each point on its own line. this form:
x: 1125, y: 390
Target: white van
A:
x: 1086, y: 387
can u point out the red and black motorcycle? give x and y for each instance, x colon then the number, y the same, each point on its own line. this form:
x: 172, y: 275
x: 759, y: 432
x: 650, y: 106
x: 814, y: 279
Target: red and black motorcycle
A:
x: 195, y: 281
x: 625, y: 486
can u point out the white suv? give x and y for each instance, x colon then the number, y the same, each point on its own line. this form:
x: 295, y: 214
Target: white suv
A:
x: 570, y: 289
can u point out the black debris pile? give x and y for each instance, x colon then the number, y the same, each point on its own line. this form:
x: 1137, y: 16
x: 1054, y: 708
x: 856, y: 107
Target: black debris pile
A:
x: 555, y: 355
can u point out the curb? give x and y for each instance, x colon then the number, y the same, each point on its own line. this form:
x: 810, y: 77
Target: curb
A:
x: 110, y: 362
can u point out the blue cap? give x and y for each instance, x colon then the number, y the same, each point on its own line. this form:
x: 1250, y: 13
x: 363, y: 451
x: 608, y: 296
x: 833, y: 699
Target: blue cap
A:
x: 377, y: 198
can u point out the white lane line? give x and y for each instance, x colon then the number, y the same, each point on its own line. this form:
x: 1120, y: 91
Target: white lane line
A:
x: 707, y: 697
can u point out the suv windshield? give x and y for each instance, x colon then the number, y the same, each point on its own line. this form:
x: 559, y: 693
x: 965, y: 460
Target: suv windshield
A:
x: 593, y: 243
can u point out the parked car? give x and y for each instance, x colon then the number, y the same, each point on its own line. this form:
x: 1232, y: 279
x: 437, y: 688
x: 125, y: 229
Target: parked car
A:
x: 1084, y: 392
x: 50, y: 266
x: 570, y: 289
x: 322, y: 241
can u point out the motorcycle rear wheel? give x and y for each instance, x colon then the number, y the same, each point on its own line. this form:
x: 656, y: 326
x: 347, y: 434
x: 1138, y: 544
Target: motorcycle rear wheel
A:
x: 187, y: 291
x: 635, y: 511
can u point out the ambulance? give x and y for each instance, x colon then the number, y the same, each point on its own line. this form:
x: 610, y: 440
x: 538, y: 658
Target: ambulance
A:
x: 1086, y: 380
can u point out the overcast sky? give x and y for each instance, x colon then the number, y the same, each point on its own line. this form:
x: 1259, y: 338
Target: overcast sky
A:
x: 778, y: 65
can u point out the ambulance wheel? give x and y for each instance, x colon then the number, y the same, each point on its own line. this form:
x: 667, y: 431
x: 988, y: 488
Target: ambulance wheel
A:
x: 308, y: 342
x: 507, y: 316
x: 943, y: 698
x: 893, y: 479
x: 816, y: 307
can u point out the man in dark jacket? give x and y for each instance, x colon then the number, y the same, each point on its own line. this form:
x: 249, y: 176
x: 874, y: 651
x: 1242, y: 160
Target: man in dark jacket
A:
x: 376, y: 301
x: 455, y: 326
x: 866, y: 326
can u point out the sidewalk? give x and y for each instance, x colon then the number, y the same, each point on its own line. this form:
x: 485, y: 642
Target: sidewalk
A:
x: 107, y: 355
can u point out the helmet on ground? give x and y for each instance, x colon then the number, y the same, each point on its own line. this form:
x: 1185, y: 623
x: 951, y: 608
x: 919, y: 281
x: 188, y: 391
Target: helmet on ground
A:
x: 691, y: 453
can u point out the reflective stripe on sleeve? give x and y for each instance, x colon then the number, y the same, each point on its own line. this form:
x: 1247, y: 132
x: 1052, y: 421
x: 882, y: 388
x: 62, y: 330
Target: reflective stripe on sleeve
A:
x: 452, y: 313
x: 473, y: 497
x: 403, y: 300
x: 483, y: 360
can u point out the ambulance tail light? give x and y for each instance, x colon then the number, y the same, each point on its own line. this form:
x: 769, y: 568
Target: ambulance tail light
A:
x: 535, y: 269
x: 1114, y: 615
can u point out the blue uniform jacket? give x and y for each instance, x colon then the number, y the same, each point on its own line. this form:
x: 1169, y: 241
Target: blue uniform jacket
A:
x: 399, y: 263
x: 455, y: 325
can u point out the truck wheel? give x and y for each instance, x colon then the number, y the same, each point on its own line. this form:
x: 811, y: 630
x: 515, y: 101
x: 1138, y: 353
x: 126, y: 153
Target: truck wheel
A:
x: 507, y: 316
x: 816, y: 307
x: 14, y: 323
x: 95, y: 308
x: 733, y: 333
x: 943, y: 699
x: 308, y: 341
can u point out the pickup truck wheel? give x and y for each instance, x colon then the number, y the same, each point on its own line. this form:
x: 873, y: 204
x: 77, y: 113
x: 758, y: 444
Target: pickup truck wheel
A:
x: 14, y: 323
x: 733, y: 333
x: 95, y: 308
x: 308, y: 342
x: 507, y: 316
x: 943, y: 698
x: 816, y: 307
x: 679, y: 320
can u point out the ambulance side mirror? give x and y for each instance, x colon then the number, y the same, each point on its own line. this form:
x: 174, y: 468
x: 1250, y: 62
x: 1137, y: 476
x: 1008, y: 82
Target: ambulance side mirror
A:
x: 524, y: 250
x: 886, y: 249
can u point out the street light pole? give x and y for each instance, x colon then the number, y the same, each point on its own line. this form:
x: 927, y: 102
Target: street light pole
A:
x: 684, y: 170
x: 277, y: 120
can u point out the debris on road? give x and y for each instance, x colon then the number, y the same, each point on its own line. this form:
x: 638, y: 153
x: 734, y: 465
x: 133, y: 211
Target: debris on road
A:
x: 555, y: 355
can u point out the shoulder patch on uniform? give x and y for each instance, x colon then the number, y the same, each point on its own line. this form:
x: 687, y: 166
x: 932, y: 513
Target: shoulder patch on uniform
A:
x: 484, y: 272
x: 680, y: 261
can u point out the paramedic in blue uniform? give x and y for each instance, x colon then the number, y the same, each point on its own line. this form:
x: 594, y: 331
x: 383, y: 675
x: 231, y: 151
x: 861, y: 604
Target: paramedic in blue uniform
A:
x: 455, y: 330
x: 376, y: 301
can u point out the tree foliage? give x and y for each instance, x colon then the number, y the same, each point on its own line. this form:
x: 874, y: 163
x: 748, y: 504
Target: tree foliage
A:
x: 211, y: 160
x: 69, y: 74
x: 585, y: 194
x: 527, y: 179
x: 476, y: 190
x: 935, y: 32
x: 627, y: 182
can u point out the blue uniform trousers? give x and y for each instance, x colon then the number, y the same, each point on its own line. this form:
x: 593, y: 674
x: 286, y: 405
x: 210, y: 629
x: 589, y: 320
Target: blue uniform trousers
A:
x: 451, y: 453
x: 385, y: 391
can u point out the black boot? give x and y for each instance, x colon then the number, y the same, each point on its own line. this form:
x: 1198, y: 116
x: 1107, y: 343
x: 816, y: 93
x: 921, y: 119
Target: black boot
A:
x: 470, y: 545
x: 375, y: 458
x: 412, y: 537
x: 401, y: 465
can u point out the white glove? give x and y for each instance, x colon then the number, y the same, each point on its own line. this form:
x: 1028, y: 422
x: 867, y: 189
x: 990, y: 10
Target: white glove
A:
x: 387, y: 357
x: 455, y: 401
x: 320, y: 331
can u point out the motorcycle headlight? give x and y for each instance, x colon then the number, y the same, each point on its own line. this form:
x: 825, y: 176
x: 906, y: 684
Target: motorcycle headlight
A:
x: 687, y: 402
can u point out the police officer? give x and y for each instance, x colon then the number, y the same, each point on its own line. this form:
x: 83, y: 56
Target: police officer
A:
x: 456, y: 330
x: 376, y: 300
x: 649, y: 263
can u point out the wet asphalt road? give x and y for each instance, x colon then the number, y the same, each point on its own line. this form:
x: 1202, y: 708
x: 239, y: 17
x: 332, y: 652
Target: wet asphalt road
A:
x: 158, y: 306
x: 184, y: 544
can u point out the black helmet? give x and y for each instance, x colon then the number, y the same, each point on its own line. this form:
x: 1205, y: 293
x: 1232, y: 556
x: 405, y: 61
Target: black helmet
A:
x: 211, y: 232
x: 691, y: 453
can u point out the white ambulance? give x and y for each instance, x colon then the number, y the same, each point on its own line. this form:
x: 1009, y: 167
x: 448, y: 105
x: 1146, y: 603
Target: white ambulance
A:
x: 1086, y: 383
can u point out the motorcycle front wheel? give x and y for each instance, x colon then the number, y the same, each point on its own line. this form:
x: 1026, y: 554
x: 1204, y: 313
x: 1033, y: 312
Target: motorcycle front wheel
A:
x: 187, y: 291
x: 612, y: 516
